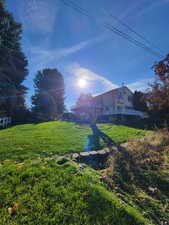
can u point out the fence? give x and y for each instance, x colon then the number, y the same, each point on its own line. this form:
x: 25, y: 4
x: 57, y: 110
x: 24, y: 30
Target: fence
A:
x: 5, y: 121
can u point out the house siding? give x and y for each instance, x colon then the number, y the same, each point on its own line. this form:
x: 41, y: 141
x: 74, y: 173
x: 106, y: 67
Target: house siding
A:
x: 115, y: 102
x: 117, y: 99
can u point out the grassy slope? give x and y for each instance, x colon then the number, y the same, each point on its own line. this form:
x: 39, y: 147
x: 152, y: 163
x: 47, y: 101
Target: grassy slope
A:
x: 121, y: 134
x: 27, y: 141
x: 49, y: 193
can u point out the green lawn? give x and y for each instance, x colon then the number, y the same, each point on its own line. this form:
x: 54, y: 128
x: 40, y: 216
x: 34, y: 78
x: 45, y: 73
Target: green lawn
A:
x: 120, y: 134
x: 48, y: 193
x: 51, y: 194
x: 31, y: 140
x: 26, y: 141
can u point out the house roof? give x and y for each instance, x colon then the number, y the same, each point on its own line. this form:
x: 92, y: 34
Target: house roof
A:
x: 99, y: 95
x: 113, y: 90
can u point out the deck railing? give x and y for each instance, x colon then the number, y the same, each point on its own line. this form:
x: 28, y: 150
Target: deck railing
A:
x: 125, y: 112
x: 5, y: 122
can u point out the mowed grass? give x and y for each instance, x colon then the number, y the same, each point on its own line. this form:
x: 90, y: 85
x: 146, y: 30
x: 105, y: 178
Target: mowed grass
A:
x: 119, y: 133
x: 51, y: 194
x: 48, y: 190
x: 32, y: 140
x: 27, y: 141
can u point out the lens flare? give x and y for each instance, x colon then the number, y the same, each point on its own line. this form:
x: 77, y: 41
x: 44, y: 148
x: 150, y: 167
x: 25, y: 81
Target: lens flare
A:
x: 82, y: 83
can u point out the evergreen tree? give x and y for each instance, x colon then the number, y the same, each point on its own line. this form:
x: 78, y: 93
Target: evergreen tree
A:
x: 48, y: 101
x: 13, y: 65
x: 10, y: 30
x: 2, y: 3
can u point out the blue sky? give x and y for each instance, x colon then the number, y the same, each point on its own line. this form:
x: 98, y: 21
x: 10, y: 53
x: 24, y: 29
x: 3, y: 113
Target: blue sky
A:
x: 56, y: 36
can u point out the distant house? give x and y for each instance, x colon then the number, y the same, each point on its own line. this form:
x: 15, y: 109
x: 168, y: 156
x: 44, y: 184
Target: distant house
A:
x: 113, y: 105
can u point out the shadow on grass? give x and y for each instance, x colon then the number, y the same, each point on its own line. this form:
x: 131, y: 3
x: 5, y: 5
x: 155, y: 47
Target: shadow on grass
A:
x: 94, y: 140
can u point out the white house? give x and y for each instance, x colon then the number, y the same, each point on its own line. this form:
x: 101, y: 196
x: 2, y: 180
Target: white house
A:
x: 113, y: 105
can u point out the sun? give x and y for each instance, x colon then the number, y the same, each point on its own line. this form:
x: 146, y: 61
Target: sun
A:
x: 82, y: 83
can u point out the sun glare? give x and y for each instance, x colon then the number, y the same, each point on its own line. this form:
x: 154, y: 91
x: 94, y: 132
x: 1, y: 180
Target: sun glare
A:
x: 82, y: 83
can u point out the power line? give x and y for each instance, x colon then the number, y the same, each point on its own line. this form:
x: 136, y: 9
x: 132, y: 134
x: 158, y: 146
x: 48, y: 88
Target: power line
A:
x: 76, y: 7
x: 134, y: 31
x: 84, y: 10
x: 111, y: 28
x: 118, y: 32
x: 131, y: 39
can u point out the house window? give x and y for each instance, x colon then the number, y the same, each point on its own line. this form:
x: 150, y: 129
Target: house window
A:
x: 120, y: 96
x: 119, y: 108
x: 129, y: 98
x: 128, y: 107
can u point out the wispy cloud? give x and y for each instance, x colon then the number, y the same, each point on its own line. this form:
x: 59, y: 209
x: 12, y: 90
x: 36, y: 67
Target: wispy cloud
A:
x: 80, y: 72
x: 131, y: 9
x: 140, y: 85
x: 151, y: 6
x: 38, y: 15
x: 45, y: 56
